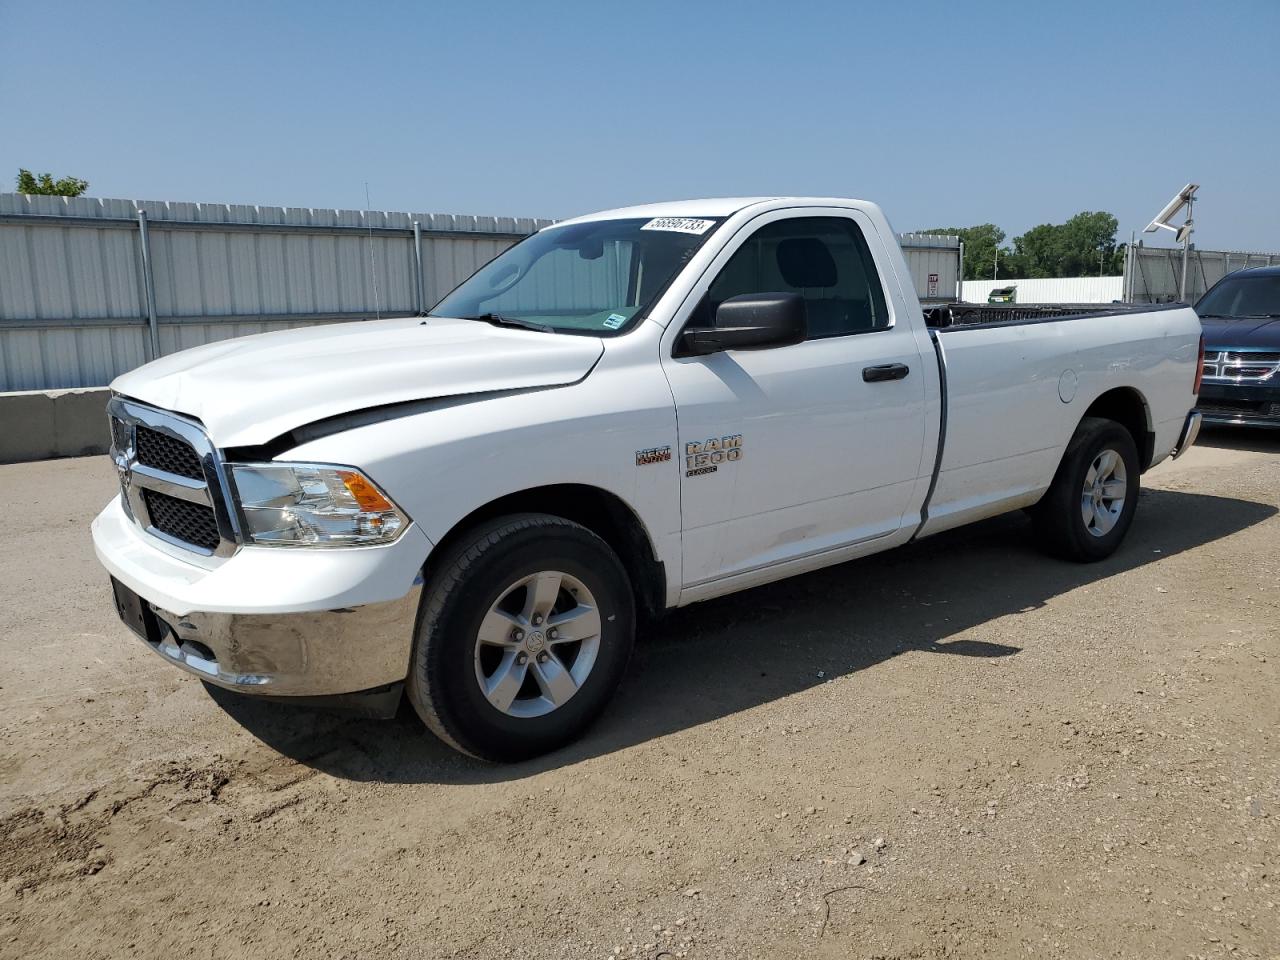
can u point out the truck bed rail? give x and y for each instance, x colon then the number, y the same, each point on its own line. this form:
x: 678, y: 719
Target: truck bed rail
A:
x: 992, y: 314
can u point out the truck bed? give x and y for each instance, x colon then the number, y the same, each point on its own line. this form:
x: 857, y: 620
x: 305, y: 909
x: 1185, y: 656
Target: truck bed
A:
x: 1017, y: 379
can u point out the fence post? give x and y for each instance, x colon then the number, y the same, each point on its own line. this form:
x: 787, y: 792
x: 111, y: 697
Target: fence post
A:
x: 1186, y: 252
x: 148, y: 283
x: 1140, y: 273
x: 960, y: 275
x: 1127, y: 295
x: 419, y: 277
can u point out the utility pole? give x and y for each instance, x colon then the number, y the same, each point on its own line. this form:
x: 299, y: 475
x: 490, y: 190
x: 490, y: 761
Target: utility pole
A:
x: 1186, y: 247
x: 1184, y: 198
x: 995, y: 270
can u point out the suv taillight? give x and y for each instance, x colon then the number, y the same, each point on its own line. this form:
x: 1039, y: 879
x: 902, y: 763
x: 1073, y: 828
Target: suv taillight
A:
x: 1199, y: 368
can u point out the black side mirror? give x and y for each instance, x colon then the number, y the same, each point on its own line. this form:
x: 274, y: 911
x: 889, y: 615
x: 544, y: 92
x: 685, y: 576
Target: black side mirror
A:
x: 752, y: 321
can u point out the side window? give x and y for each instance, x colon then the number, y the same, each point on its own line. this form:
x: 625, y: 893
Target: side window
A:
x: 824, y: 259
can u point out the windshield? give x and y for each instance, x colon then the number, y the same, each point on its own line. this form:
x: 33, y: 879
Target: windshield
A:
x: 1257, y: 296
x: 593, y: 278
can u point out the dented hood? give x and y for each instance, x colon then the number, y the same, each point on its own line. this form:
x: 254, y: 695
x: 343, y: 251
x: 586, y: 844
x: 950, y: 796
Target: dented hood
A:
x: 253, y: 389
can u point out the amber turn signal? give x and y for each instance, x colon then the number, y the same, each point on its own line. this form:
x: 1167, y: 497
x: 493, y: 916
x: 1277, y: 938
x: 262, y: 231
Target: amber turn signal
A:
x: 365, y: 493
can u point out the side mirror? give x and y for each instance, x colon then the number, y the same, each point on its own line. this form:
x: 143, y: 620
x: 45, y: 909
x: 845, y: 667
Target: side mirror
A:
x: 752, y: 321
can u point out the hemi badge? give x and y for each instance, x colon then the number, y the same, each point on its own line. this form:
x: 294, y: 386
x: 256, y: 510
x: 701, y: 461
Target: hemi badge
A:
x: 653, y: 455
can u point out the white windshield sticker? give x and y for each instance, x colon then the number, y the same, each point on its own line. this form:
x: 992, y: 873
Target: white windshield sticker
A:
x: 680, y: 225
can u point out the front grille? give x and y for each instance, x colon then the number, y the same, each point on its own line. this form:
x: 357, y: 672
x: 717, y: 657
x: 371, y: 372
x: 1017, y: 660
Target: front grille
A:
x: 1243, y: 406
x: 1239, y: 409
x: 170, y: 478
x: 183, y: 520
x: 121, y: 437
x: 1234, y: 366
x: 163, y: 452
x: 1252, y: 356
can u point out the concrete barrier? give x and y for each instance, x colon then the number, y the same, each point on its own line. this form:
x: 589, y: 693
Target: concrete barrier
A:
x: 42, y: 424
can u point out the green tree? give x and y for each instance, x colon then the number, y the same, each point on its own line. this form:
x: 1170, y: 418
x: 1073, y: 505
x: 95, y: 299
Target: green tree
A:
x: 1088, y: 244
x: 1081, y: 247
x: 46, y: 185
x: 981, y: 244
x: 1039, y: 251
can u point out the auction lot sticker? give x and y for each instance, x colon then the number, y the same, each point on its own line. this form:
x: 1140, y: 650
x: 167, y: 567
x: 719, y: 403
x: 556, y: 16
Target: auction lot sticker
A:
x: 680, y: 225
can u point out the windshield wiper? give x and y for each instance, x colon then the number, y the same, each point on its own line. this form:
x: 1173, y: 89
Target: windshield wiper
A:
x: 500, y: 321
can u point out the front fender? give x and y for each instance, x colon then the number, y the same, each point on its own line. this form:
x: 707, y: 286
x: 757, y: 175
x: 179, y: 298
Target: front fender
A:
x: 444, y: 464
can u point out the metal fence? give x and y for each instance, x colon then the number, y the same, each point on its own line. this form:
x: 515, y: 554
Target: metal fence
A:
x: 1057, y: 290
x: 1151, y: 274
x: 91, y: 288
x: 936, y: 263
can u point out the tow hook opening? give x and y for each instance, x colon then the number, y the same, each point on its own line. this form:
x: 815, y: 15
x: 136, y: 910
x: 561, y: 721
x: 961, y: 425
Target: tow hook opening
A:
x: 197, y: 649
x: 188, y: 648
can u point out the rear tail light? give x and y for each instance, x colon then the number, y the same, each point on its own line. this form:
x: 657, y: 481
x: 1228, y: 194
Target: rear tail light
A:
x: 1199, y: 368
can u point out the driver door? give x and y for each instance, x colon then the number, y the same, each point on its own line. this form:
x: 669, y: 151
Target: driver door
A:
x: 791, y: 453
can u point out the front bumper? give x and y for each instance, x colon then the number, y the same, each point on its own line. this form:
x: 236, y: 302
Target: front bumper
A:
x: 1244, y: 405
x: 309, y: 654
x: 275, y: 621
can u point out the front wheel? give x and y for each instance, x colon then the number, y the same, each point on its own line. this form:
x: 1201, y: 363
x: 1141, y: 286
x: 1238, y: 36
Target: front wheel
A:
x: 1090, y: 505
x: 526, y: 628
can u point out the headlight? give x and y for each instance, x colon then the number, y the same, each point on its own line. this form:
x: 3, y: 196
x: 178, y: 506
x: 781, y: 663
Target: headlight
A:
x: 314, y: 505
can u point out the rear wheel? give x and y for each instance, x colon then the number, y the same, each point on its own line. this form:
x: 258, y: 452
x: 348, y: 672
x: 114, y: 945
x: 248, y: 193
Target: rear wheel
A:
x: 1090, y: 505
x: 526, y: 629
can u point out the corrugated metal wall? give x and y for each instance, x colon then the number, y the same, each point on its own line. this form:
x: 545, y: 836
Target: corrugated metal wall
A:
x: 73, y: 301
x: 74, y: 306
x: 1059, y: 290
x: 1152, y: 273
x: 935, y: 266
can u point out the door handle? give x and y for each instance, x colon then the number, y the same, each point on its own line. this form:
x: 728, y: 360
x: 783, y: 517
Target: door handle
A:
x: 885, y: 371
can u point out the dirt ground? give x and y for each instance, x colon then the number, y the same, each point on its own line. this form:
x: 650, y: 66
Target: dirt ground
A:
x: 960, y: 749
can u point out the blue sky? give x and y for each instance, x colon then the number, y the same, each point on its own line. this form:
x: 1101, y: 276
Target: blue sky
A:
x: 945, y: 113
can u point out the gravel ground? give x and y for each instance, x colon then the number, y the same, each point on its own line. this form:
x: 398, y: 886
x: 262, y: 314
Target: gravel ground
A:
x: 960, y: 749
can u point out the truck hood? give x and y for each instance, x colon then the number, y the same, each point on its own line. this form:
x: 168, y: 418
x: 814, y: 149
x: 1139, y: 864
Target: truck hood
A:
x: 253, y: 389
x: 1256, y: 332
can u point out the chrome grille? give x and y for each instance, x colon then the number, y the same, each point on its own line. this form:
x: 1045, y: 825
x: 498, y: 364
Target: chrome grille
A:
x: 183, y: 520
x: 171, y: 479
x: 166, y: 453
x: 1223, y: 365
x: 1237, y: 410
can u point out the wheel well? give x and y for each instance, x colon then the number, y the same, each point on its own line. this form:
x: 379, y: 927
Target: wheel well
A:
x: 601, y: 512
x: 1127, y: 407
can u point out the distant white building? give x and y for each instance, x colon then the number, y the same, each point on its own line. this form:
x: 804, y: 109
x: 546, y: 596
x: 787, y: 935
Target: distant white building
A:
x: 1058, y: 290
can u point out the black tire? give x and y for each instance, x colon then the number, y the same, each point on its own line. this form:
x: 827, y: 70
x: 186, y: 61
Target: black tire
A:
x: 1058, y: 519
x: 443, y: 687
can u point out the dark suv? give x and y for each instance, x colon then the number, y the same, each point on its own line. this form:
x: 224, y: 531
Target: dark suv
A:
x: 1241, y: 319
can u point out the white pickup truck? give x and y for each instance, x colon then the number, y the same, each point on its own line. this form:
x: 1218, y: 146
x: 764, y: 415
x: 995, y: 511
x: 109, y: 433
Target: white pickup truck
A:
x: 624, y: 413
